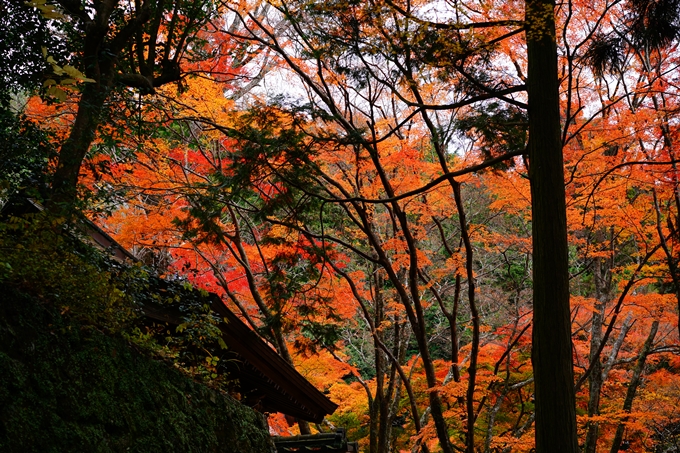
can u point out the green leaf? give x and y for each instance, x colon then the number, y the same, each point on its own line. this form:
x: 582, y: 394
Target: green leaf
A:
x: 58, y: 93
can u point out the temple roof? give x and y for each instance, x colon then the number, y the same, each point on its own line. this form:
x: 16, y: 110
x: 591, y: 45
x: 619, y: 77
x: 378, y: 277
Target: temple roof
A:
x: 268, y: 383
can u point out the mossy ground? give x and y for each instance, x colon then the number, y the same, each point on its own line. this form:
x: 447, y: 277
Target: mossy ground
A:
x: 66, y: 387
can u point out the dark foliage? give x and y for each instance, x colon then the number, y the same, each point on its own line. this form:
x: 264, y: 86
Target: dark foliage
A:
x: 25, y: 153
x: 605, y: 54
x: 654, y: 23
x: 497, y: 128
x: 23, y: 34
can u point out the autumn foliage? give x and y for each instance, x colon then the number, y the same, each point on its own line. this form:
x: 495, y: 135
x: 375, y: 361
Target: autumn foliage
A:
x: 352, y: 179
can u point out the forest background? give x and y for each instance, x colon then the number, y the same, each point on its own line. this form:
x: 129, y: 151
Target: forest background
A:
x: 460, y: 219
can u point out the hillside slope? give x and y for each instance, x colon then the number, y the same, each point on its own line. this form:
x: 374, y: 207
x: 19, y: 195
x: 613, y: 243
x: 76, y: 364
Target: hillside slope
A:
x: 66, y: 387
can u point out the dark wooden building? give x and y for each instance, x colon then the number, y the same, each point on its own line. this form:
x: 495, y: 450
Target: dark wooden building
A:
x: 267, y: 382
x: 318, y: 443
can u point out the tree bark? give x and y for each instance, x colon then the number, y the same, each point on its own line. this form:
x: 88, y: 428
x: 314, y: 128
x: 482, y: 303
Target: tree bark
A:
x: 634, y: 383
x: 596, y: 379
x: 551, y: 347
x: 101, y: 69
x: 74, y: 149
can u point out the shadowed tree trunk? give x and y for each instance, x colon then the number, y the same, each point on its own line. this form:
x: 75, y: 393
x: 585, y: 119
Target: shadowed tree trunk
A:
x: 551, y: 350
x: 75, y: 148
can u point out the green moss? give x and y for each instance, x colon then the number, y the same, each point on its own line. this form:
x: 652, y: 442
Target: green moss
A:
x: 65, y: 387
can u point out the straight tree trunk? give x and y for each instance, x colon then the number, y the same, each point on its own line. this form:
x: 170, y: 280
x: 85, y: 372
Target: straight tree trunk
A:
x: 602, y: 291
x: 551, y: 346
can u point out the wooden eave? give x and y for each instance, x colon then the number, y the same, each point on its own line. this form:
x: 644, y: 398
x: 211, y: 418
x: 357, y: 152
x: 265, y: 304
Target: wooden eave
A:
x: 295, y: 393
x: 276, y: 385
x: 98, y: 238
x: 317, y: 443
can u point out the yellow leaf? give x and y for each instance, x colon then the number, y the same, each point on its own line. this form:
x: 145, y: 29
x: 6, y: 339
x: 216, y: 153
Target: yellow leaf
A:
x: 57, y: 70
x: 49, y: 82
x: 73, y: 72
x: 68, y: 81
x: 53, y: 15
x: 76, y: 74
x: 44, y: 51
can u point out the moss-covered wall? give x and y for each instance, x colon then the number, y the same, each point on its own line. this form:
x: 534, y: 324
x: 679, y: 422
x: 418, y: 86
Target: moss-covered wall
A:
x: 69, y: 388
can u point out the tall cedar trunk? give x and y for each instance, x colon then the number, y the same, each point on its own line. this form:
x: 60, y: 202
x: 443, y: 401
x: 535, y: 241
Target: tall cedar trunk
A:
x: 551, y: 346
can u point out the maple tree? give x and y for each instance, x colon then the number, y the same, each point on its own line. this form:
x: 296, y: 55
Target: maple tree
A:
x: 278, y: 199
x: 540, y: 36
x: 401, y: 222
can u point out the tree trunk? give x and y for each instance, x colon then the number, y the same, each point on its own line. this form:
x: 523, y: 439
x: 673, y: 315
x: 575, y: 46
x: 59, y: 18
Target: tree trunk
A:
x: 551, y: 347
x: 602, y: 290
x: 634, y: 383
x: 99, y: 66
x: 75, y: 148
